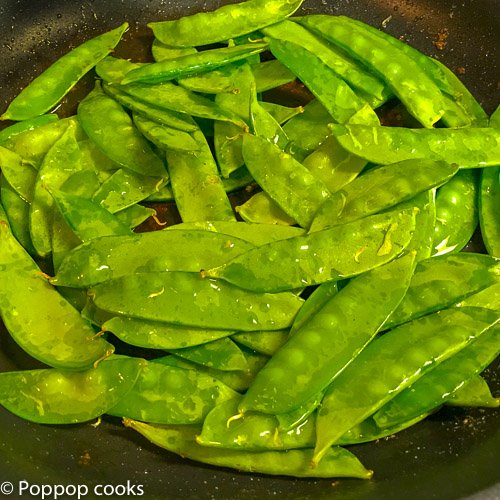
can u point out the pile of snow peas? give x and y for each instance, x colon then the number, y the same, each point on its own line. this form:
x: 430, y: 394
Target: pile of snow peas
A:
x: 337, y: 305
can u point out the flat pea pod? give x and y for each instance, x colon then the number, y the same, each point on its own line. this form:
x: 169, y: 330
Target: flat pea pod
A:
x: 19, y: 174
x: 261, y: 209
x: 300, y: 415
x: 310, y: 260
x: 391, y: 363
x: 56, y: 335
x: 228, y: 21
x: 474, y: 393
x: 192, y: 64
x: 168, y: 395
x: 284, y: 179
x: 19, y: 127
x: 217, y: 81
x: 135, y: 215
x: 440, y: 282
x: 264, y: 342
x: 338, y: 462
x: 381, y: 188
x: 431, y: 390
x: 280, y: 113
x: 468, y: 147
x: 54, y: 396
x: 156, y: 335
x: 112, y: 256
x: 45, y: 91
x: 456, y: 212
x: 116, y: 135
x: 332, y: 338
x: 168, y: 297
x: 271, y: 74
x: 163, y: 52
x: 488, y: 298
x: 489, y: 203
x: 420, y: 95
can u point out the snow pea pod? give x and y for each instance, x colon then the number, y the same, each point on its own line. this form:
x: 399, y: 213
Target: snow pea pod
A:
x: 163, y: 52
x: 19, y: 174
x: 421, y: 96
x: 280, y: 113
x: 228, y: 21
x: 188, y: 299
x: 303, y: 367
x: 434, y: 388
x: 271, y: 74
x: 476, y: 393
x: 52, y: 396
x: 135, y: 215
x: 264, y: 342
x: 488, y: 298
x: 489, y: 203
x: 19, y: 127
x: 390, y: 364
x: 116, y: 135
x: 217, y: 81
x: 284, y: 179
x: 55, y: 334
x: 45, y: 91
x: 338, y: 462
x: 192, y: 64
x: 381, y: 188
x: 329, y: 255
x: 109, y: 257
x: 261, y: 209
x: 168, y: 395
x: 468, y: 147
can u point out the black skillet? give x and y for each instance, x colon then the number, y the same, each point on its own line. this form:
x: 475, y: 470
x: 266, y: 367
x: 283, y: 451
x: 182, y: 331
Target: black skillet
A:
x: 453, y: 454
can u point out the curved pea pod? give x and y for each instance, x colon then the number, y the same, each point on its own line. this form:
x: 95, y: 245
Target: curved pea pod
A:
x: 434, y: 388
x: 20, y: 175
x: 228, y: 21
x: 330, y: 255
x: 338, y: 462
x: 168, y: 395
x: 116, y: 135
x: 271, y: 74
x: 261, y: 209
x: 420, y: 95
x: 440, y: 282
x: 342, y: 103
x: 56, y: 335
x: 346, y: 324
x: 264, y: 342
x: 156, y: 335
x: 110, y: 257
x: 192, y: 64
x: 474, y: 393
x: 188, y: 299
x: 221, y: 354
x: 22, y: 126
x: 456, y: 213
x: 381, y: 188
x: 468, y: 147
x: 489, y: 210
x: 284, y: 179
x: 45, y: 91
x: 53, y: 396
x: 391, y: 363
x: 163, y: 52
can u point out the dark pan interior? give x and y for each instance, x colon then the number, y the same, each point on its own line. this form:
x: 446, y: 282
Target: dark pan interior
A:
x: 453, y: 454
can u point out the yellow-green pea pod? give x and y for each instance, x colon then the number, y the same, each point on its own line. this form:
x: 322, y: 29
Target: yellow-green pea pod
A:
x: 181, y: 440
x: 261, y: 209
x: 135, y: 215
x: 488, y: 298
x: 264, y: 342
x: 19, y: 127
x: 391, y: 363
x: 489, y: 210
x: 169, y: 395
x: 163, y: 52
x: 45, y: 325
x: 45, y: 91
x: 281, y: 113
x: 56, y: 396
x: 19, y: 174
x: 329, y: 255
x: 474, y: 393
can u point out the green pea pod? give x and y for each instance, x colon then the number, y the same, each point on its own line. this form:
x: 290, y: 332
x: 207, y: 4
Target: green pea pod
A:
x: 421, y: 96
x: 264, y: 342
x: 442, y: 281
x: 191, y: 300
x: 19, y: 127
x: 390, y: 364
x: 309, y: 260
x: 116, y: 135
x: 168, y: 395
x: 338, y: 462
x: 155, y: 335
x: 476, y: 393
x: 55, y: 334
x: 456, y: 212
x: 228, y: 21
x: 45, y: 91
x: 342, y: 103
x: 114, y: 69
x: 489, y: 203
x: 488, y: 298
x: 431, y: 390
x: 217, y: 81
x: 281, y: 113
x: 284, y: 179
x: 20, y: 175
x: 163, y: 52
x: 261, y: 209
x: 346, y: 324
x: 300, y: 415
x: 271, y: 74
x: 468, y: 147
x: 109, y: 257
x: 135, y: 215
x: 53, y: 396
x: 381, y: 188
x: 192, y: 64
